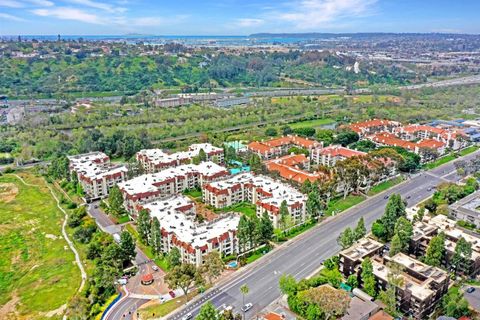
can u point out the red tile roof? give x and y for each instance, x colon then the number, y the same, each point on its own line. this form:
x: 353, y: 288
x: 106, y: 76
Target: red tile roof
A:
x: 339, y: 151
x: 430, y: 143
x: 272, y: 316
x: 358, y: 126
x: 390, y: 139
x: 270, y: 145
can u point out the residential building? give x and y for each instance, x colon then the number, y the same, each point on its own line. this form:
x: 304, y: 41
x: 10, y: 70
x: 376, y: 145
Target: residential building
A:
x: 466, y: 209
x: 153, y: 186
x: 422, y: 285
x: 360, y: 308
x: 154, y: 160
x: 230, y: 102
x: 293, y: 168
x: 373, y: 126
x: 179, y: 228
x: 96, y: 174
x: 352, y: 257
x: 329, y: 156
x: 453, y: 139
x: 277, y: 147
x: 172, y: 102
x: 267, y: 193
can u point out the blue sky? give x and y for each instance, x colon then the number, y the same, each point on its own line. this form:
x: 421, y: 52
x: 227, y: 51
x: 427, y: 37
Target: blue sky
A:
x: 236, y: 17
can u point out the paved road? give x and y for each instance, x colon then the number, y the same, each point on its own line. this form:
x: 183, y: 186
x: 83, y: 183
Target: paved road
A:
x: 473, y: 298
x: 303, y: 256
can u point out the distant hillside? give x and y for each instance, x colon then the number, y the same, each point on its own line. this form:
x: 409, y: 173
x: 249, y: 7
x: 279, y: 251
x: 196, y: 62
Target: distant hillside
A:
x: 365, y: 35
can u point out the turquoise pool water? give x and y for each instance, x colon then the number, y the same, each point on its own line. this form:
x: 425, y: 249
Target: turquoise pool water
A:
x: 233, y: 264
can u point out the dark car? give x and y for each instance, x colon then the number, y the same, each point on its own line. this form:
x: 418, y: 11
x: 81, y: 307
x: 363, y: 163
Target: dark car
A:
x: 386, y: 197
x: 470, y: 289
x: 171, y: 293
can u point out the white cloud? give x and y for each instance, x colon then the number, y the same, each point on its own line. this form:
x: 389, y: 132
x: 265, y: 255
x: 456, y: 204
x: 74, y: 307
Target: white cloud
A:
x: 11, y: 4
x: 99, y: 5
x: 249, y: 22
x: 10, y: 17
x: 66, y: 13
x: 308, y: 14
x: 41, y: 3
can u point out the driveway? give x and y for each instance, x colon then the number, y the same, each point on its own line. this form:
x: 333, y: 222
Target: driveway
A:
x: 473, y: 298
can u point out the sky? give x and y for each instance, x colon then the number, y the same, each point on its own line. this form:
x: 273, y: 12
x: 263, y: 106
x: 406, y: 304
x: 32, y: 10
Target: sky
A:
x: 235, y: 17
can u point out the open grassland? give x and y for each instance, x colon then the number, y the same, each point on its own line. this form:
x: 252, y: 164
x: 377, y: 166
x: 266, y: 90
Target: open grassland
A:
x: 38, y: 274
x: 311, y: 123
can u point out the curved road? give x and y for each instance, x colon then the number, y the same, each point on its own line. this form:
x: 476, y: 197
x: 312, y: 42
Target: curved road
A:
x: 302, y: 256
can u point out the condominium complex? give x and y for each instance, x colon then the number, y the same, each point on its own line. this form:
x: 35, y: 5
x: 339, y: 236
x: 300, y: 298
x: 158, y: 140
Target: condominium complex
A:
x: 277, y: 147
x: 421, y: 288
x: 267, y: 193
x: 154, y: 160
x: 96, y: 174
x: 369, y: 127
x: 170, y: 181
x: 294, y: 168
x: 330, y: 155
x: 179, y: 228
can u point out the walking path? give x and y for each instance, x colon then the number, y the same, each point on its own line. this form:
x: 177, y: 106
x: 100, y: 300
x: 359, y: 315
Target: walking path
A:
x: 64, y: 232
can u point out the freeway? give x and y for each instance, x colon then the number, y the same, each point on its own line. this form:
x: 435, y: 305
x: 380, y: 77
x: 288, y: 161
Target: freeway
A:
x: 302, y: 256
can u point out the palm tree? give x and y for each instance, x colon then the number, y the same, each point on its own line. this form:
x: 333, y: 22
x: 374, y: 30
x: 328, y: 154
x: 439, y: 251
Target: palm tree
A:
x: 244, y: 290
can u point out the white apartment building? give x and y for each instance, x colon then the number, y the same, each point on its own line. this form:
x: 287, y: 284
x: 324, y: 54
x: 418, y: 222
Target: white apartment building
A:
x: 176, y: 215
x: 266, y: 193
x: 170, y: 181
x: 154, y: 160
x: 96, y: 174
x: 329, y: 156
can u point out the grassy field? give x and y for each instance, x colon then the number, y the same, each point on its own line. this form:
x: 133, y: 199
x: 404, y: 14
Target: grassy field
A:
x: 311, y: 123
x: 245, y: 208
x: 154, y: 311
x: 439, y: 162
x: 384, y: 185
x: 468, y: 150
x: 338, y: 205
x: 37, y: 270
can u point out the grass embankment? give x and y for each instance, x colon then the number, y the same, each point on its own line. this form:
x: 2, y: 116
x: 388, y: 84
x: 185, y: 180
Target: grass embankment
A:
x: 450, y: 157
x: 339, y: 204
x: 37, y: 269
x: 385, y: 185
x: 154, y: 311
x: 311, y: 123
x: 160, y: 261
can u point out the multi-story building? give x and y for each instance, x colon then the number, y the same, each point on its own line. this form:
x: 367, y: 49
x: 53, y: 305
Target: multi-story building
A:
x: 453, y: 139
x: 329, y: 156
x: 294, y: 168
x: 467, y: 209
x: 373, y: 126
x: 277, y: 147
x: 96, y: 174
x: 152, y: 186
x: 265, y: 192
x: 179, y: 228
x: 352, y: 257
x: 154, y: 160
x: 422, y: 286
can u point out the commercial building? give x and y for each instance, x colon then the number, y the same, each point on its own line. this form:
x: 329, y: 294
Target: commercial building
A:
x: 153, y: 186
x: 154, y: 160
x: 172, y: 102
x: 277, y: 147
x: 179, y: 228
x: 293, y: 168
x: 422, y: 286
x: 230, y: 102
x: 96, y: 174
x: 266, y: 193
x: 330, y: 155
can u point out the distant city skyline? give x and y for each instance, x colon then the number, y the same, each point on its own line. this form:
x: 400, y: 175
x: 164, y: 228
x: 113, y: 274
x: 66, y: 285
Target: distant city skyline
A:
x: 235, y: 17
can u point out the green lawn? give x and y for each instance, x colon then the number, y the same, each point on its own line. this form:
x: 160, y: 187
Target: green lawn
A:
x: 339, y: 204
x: 194, y: 193
x: 311, y: 123
x: 384, y: 185
x: 245, y: 208
x: 439, y: 162
x: 36, y: 265
x: 162, y: 309
x: 257, y: 254
x: 468, y: 150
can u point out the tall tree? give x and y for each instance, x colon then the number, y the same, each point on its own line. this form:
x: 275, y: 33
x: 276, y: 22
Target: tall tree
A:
x: 207, y: 312
x: 156, y: 236
x: 396, y: 245
x: 346, y: 238
x: 313, y: 206
x: 333, y: 302
x: 184, y: 277
x: 143, y: 225
x: 404, y: 230
x: 127, y: 246
x: 436, y: 250
x: 288, y: 284
x: 454, y: 304
x: 115, y: 200
x: 284, y: 214
x: 368, y: 279
x: 360, y: 230
x: 264, y: 228
x: 202, y: 156
x: 212, y: 266
x: 255, y: 163
x: 244, y: 291
x: 174, y: 257
x: 461, y: 257
x: 243, y: 233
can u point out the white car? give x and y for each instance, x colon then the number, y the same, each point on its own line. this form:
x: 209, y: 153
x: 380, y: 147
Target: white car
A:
x: 188, y: 316
x: 155, y: 268
x: 247, y: 307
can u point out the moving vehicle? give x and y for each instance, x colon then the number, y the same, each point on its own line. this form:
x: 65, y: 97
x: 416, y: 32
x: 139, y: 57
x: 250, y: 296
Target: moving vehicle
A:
x: 247, y: 307
x: 171, y: 293
x: 188, y: 316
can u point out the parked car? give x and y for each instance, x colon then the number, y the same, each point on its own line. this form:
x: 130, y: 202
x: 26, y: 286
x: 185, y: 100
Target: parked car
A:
x: 470, y: 289
x: 386, y: 197
x: 171, y: 293
x: 188, y: 316
x: 247, y: 307
x: 155, y: 268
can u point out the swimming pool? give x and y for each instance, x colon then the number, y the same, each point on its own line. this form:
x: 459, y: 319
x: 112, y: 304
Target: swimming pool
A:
x: 232, y: 264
